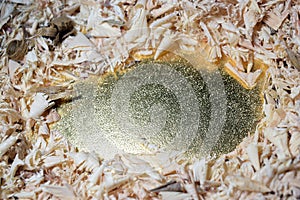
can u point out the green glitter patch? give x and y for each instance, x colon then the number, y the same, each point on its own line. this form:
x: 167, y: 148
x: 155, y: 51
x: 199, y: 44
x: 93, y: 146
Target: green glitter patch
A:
x: 88, y: 120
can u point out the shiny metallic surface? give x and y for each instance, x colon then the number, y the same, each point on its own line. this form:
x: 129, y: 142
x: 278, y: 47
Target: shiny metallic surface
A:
x: 88, y: 120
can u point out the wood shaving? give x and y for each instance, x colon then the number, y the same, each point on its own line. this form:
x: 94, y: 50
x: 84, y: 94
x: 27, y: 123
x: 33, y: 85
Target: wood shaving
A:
x: 39, y: 163
x: 39, y: 105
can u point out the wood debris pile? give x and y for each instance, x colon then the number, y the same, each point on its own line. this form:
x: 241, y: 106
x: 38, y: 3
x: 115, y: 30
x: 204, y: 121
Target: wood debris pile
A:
x: 36, y: 68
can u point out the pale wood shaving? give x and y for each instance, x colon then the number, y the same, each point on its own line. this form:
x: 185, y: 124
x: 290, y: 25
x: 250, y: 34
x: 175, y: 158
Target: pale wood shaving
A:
x: 252, y: 151
x: 275, y: 17
x: 246, y: 184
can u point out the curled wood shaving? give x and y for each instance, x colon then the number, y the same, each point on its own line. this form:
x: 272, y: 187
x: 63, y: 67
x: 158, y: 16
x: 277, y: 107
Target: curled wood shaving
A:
x: 6, y: 144
x: 275, y: 18
x: 39, y: 105
x: 247, y: 79
x: 252, y: 151
x: 65, y: 192
x: 246, y: 184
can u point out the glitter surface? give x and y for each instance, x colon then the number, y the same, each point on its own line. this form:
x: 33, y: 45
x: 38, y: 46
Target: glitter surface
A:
x: 159, y: 116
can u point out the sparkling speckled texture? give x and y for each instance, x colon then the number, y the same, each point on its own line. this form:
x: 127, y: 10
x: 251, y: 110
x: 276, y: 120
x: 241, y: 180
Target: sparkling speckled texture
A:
x: 88, y: 120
